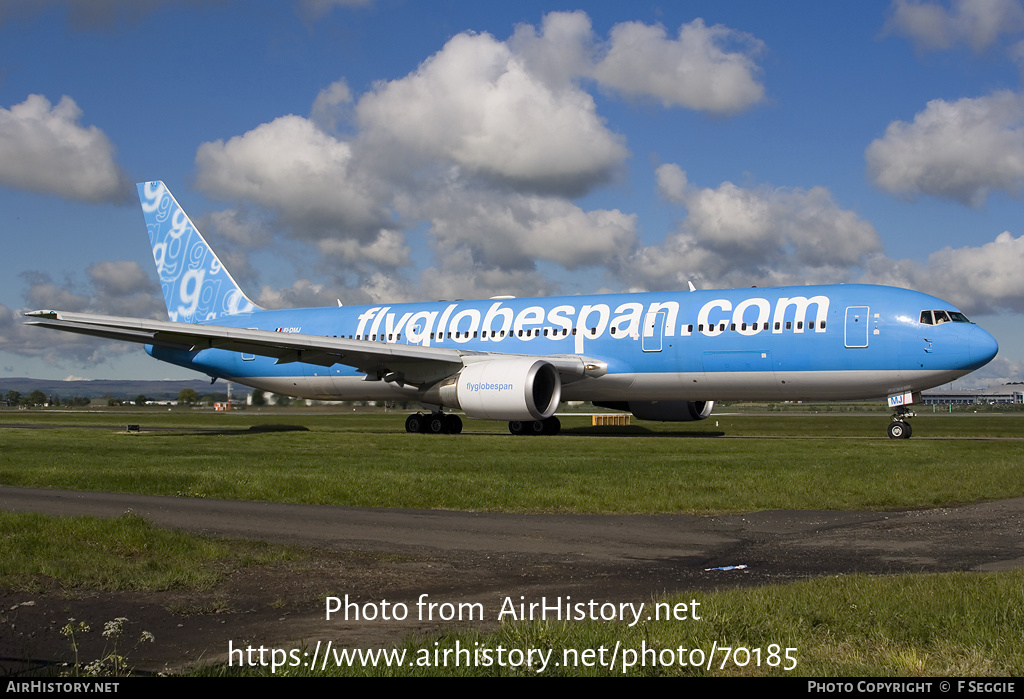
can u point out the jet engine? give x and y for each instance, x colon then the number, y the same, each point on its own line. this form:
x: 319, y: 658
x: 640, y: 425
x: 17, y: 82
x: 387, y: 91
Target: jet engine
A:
x: 663, y: 410
x: 520, y: 388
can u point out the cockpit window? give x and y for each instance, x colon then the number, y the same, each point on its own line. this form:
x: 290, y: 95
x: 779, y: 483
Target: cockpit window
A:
x: 939, y: 317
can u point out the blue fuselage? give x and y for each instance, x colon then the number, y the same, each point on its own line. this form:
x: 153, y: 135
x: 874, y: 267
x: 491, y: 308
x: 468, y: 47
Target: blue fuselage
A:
x: 788, y: 343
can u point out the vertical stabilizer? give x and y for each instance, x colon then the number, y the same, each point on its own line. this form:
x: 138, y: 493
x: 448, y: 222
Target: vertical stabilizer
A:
x: 195, y: 284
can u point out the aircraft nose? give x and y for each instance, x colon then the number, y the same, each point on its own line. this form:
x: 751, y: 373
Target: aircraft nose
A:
x: 983, y: 347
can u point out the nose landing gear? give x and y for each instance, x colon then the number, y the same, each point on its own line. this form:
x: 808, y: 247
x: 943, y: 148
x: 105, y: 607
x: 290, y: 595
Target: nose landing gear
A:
x: 899, y: 428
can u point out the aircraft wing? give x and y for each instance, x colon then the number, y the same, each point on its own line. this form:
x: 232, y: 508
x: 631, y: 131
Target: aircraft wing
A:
x: 412, y: 364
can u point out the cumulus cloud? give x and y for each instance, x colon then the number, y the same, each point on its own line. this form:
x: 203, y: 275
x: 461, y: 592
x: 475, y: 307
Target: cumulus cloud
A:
x: 459, y: 276
x: 560, y: 52
x: 120, y: 287
x: 44, y: 148
x: 113, y: 288
x: 55, y: 348
x: 956, y: 150
x: 238, y: 227
x: 476, y: 105
x: 979, y: 279
x: 513, y: 231
x: 119, y: 278
x: 329, y: 105
x: 976, y: 23
x: 734, y: 236
x: 696, y: 70
x: 480, y: 150
x: 303, y: 293
x: 295, y: 169
x: 998, y: 372
x: 123, y: 288
x: 373, y: 288
x: 387, y: 250
x: 983, y: 279
x: 43, y: 293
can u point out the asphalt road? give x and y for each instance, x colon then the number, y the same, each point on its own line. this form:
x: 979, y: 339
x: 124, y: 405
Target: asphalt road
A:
x: 779, y: 545
x: 373, y: 554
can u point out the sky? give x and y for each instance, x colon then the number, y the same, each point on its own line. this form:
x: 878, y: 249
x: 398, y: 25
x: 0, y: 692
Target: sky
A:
x: 369, y: 151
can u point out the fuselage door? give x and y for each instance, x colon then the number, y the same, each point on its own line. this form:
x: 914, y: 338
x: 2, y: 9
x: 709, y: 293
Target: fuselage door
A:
x: 857, y: 326
x: 654, y: 330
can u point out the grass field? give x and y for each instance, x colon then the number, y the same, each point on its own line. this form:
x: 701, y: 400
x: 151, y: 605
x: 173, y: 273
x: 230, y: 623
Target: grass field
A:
x: 125, y: 553
x: 967, y: 624
x: 729, y: 463
x: 959, y: 625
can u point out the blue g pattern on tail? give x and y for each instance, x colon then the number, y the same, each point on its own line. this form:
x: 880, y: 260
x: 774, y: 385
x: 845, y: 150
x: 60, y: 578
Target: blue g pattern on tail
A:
x: 195, y: 284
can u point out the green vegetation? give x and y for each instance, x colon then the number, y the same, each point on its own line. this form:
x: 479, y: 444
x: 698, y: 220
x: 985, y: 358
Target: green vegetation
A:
x: 954, y: 624
x: 187, y: 397
x: 126, y: 553
x: 964, y: 625
x: 731, y: 462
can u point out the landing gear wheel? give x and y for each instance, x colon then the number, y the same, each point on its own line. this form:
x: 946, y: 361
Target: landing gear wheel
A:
x: 551, y: 426
x: 453, y: 424
x: 414, y: 423
x: 436, y: 424
x: 898, y: 429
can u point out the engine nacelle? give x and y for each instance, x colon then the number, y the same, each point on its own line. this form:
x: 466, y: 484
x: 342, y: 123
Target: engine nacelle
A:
x: 521, y: 388
x: 664, y: 410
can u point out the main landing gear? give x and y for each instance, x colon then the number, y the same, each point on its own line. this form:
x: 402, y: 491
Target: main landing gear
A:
x: 551, y: 426
x: 434, y: 423
x: 899, y: 428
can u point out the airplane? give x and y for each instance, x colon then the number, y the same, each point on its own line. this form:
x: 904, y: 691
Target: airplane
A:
x: 658, y: 355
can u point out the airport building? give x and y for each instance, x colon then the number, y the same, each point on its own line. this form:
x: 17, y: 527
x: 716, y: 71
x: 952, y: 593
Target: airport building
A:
x: 994, y: 395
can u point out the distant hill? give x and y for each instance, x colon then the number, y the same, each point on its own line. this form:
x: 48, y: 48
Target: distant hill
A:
x: 115, y: 388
